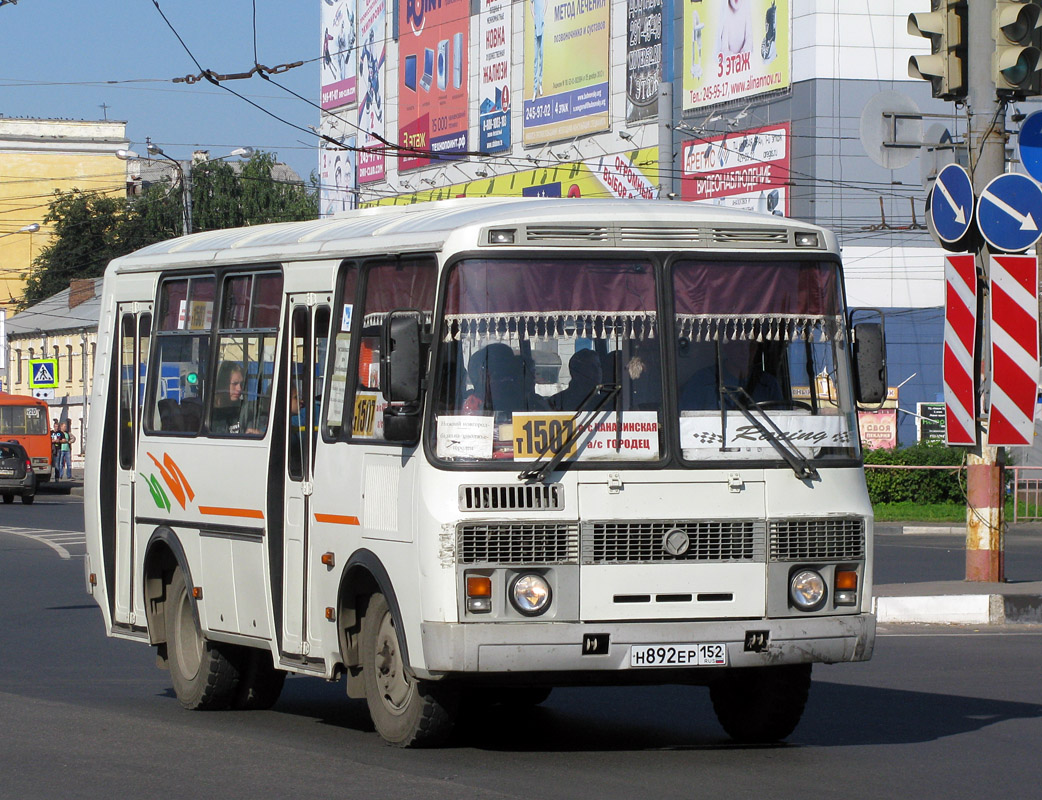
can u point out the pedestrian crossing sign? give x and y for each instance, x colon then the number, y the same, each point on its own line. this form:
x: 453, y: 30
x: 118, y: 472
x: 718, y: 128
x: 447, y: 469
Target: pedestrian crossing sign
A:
x: 43, y: 373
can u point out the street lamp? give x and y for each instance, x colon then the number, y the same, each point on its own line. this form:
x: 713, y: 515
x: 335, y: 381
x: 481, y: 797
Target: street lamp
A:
x: 31, y: 228
x: 184, y: 172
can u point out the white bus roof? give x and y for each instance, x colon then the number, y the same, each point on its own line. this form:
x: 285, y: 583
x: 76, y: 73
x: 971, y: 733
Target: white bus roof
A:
x: 545, y: 222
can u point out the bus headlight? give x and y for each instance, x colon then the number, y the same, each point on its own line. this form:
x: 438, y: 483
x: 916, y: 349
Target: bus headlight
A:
x: 807, y: 590
x: 530, y: 594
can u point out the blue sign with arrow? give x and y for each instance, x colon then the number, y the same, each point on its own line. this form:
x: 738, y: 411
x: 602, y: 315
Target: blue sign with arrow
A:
x: 1008, y: 212
x: 1030, y: 144
x: 951, y: 206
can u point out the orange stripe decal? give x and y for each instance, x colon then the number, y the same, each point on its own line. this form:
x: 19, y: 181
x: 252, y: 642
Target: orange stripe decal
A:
x: 248, y: 513
x: 336, y: 519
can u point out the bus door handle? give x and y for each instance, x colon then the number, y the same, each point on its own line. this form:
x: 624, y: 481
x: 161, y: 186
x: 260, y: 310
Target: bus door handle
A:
x: 306, y: 488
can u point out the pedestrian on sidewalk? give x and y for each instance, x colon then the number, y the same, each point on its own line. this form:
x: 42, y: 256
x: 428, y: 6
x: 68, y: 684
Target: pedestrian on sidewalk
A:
x: 65, y: 452
x: 56, y: 435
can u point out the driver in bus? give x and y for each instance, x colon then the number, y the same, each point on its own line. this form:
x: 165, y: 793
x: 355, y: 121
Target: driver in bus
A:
x: 741, y: 368
x: 499, y: 384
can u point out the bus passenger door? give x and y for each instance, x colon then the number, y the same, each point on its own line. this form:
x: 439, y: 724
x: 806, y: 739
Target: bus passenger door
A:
x: 135, y: 324
x: 309, y: 325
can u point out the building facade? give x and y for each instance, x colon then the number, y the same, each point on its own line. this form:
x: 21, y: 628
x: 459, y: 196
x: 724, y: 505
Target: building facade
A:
x: 775, y: 106
x: 64, y: 327
x: 37, y: 158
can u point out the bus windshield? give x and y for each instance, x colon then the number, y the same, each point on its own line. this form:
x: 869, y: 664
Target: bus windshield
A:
x: 761, y: 354
x: 22, y: 421
x: 541, y: 359
x: 535, y: 352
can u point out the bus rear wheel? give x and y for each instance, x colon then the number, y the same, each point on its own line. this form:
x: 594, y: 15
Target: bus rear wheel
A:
x: 203, y: 675
x: 758, y: 705
x: 406, y: 712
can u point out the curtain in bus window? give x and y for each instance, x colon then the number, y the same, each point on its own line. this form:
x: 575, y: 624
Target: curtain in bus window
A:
x: 767, y: 301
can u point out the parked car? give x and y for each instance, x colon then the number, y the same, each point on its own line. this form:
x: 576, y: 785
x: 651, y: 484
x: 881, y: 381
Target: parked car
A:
x: 16, y: 473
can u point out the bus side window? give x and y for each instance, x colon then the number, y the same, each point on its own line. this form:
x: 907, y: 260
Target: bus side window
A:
x: 180, y: 369
x: 389, y: 286
x: 340, y: 354
x: 241, y: 400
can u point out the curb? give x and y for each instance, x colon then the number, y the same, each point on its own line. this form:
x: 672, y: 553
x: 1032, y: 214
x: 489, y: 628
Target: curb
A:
x: 937, y: 530
x: 964, y: 609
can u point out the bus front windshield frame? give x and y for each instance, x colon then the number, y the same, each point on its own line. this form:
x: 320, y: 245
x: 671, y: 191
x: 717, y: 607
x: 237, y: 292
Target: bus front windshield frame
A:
x: 566, y: 360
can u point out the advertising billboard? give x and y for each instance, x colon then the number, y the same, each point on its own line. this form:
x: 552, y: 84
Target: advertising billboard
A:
x: 643, y: 58
x: 372, y: 51
x: 566, y: 69
x: 338, y: 179
x: 745, y: 169
x: 630, y: 174
x: 433, y: 70
x: 494, y: 77
x: 339, y: 66
x: 734, y: 49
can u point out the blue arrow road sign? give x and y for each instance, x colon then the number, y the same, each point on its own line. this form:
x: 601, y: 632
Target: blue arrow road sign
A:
x: 1030, y: 144
x: 1009, y: 211
x: 951, y: 205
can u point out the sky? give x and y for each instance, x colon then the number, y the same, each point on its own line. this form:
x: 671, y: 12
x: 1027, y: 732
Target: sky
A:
x: 65, y: 59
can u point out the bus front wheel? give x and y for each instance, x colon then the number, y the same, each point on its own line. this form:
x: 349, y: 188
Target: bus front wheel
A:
x: 761, y: 704
x: 406, y: 712
x: 203, y: 676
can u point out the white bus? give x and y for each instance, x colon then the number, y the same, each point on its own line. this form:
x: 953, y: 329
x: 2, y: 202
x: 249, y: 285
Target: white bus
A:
x: 472, y: 450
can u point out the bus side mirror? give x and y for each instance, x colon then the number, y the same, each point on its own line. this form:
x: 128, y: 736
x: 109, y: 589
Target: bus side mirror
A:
x: 400, y: 353
x: 868, y: 350
x: 401, y: 375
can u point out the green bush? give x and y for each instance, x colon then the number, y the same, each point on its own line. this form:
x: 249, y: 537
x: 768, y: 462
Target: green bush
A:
x: 915, y: 485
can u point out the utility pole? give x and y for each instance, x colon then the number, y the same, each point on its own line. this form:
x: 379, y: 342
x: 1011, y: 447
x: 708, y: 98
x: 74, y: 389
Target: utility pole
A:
x: 985, y: 547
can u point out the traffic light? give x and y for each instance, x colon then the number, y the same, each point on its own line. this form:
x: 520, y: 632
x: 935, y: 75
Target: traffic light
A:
x: 945, y: 26
x: 1015, y: 64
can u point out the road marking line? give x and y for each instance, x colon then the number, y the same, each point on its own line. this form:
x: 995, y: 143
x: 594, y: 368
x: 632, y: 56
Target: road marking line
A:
x: 49, y: 537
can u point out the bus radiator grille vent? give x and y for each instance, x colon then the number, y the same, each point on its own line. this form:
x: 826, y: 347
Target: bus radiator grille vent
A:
x: 517, y: 543
x: 568, y: 234
x: 511, y: 498
x: 817, y: 539
x: 660, y: 235
x: 646, y: 542
x: 745, y: 236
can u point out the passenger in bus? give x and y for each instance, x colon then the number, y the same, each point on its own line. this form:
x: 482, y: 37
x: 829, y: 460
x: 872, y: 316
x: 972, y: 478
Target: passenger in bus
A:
x: 741, y: 368
x: 533, y: 400
x: 226, y: 416
x: 584, y: 370
x: 498, y: 381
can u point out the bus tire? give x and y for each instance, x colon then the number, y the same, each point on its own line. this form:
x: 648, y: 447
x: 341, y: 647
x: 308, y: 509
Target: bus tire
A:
x: 759, y: 705
x: 406, y: 712
x: 203, y: 675
x: 260, y: 683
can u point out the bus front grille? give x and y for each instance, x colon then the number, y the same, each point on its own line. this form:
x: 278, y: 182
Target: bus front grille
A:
x: 674, y: 540
x: 535, y: 497
x: 817, y: 539
x: 517, y: 543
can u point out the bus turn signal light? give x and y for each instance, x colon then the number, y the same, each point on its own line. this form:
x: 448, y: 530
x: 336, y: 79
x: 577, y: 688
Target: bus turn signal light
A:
x: 846, y: 580
x: 197, y: 592
x: 479, y: 594
x: 328, y: 560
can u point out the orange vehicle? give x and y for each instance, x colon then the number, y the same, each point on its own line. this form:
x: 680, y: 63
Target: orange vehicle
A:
x: 26, y: 420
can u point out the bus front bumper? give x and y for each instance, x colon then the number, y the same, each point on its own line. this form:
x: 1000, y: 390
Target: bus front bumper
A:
x: 558, y: 647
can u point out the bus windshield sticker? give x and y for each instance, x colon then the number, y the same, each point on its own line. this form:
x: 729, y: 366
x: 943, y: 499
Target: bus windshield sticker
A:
x: 465, y: 437
x: 537, y: 433
x: 345, y: 320
x: 703, y: 431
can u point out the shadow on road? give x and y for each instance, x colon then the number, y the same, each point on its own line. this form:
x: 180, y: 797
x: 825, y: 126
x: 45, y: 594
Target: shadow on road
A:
x: 680, y: 717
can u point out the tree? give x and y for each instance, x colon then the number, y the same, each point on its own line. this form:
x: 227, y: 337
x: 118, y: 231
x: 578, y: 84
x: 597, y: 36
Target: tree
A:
x: 89, y: 229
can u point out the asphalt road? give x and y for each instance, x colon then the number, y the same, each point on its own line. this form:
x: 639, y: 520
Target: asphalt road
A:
x: 938, y: 713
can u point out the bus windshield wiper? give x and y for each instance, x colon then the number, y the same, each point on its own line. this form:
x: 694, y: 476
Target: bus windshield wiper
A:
x: 541, y: 468
x: 788, y: 451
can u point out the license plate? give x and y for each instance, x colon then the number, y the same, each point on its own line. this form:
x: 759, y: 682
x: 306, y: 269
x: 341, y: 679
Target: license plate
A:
x: 6, y: 472
x: 678, y: 655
